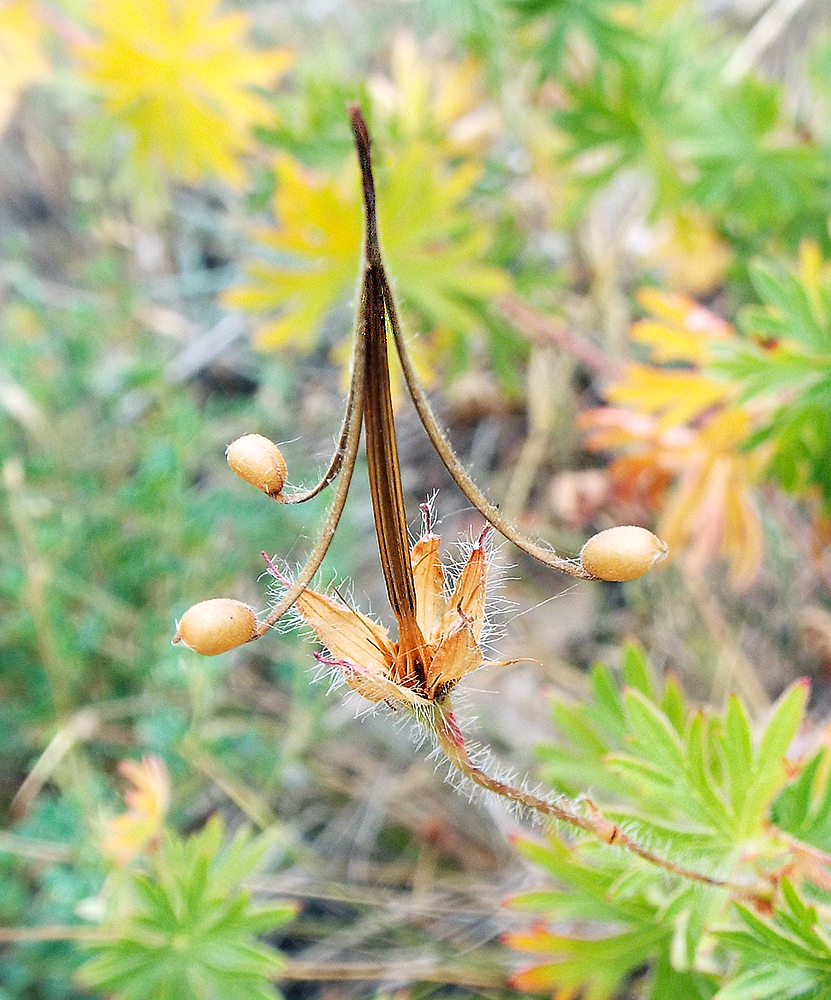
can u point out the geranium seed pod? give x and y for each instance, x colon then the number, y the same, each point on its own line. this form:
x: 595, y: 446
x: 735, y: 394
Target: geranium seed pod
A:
x: 622, y: 553
x: 258, y: 461
x: 216, y: 626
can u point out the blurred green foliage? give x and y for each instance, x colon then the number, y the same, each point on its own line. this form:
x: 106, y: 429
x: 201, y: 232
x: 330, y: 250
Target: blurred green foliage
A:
x: 185, y: 930
x: 503, y: 130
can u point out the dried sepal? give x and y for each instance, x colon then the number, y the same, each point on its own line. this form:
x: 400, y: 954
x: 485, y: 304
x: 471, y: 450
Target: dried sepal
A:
x: 622, y: 553
x: 215, y: 626
x: 259, y: 462
x: 378, y: 667
x: 428, y: 577
x: 348, y: 635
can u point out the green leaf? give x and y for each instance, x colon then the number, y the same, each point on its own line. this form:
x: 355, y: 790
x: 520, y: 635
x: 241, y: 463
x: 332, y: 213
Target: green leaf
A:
x: 769, y: 982
x: 737, y: 746
x: 600, y: 23
x: 702, y: 781
x: 654, y: 735
x: 768, y: 774
x: 803, y: 808
x: 187, y: 930
x: 674, y: 704
x: 785, y: 292
x: 635, y: 670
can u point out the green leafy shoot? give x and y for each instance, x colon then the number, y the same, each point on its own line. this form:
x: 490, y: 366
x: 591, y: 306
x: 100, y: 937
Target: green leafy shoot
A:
x: 783, y: 959
x: 784, y: 364
x: 699, y: 780
x: 185, y: 930
x: 699, y: 785
x: 626, y: 918
x: 804, y: 807
x: 604, y: 24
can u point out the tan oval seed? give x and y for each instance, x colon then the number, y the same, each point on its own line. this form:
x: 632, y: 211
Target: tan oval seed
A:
x: 216, y: 626
x: 622, y: 553
x: 259, y: 462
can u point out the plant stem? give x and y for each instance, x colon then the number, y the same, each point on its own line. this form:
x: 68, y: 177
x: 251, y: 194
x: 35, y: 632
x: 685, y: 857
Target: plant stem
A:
x: 381, y: 446
x: 451, y: 742
x: 296, y: 970
x: 445, y: 452
x: 536, y: 326
x: 338, y: 458
x: 350, y: 452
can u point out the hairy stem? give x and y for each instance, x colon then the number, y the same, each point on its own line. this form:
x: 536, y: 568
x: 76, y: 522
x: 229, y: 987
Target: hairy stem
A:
x: 439, y: 441
x: 350, y: 453
x: 451, y: 742
x: 332, y: 472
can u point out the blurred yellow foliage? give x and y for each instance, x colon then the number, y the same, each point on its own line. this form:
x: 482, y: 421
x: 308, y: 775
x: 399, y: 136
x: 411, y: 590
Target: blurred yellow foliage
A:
x: 433, y: 246
x: 148, y: 799
x: 22, y: 61
x: 691, y: 254
x: 430, y: 98
x: 177, y: 76
x: 678, y: 427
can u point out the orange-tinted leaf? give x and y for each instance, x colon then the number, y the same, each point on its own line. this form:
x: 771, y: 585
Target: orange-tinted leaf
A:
x: 147, y: 800
x: 542, y: 979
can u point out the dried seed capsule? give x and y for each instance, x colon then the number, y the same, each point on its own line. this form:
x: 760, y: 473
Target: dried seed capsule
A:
x: 215, y: 626
x: 258, y: 461
x: 622, y: 553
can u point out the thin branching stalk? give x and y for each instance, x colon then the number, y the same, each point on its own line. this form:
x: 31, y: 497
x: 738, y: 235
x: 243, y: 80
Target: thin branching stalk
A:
x: 340, y: 453
x: 350, y: 453
x: 439, y: 441
x: 450, y: 741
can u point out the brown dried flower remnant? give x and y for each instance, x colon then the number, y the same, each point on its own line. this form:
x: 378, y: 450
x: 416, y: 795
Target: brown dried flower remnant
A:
x: 439, y: 636
x: 379, y: 668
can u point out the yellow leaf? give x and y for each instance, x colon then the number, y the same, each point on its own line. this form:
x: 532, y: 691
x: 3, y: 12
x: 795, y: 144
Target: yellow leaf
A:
x: 178, y: 77
x: 674, y: 396
x: 669, y: 344
x: 148, y: 799
x: 319, y: 230
x: 431, y: 98
x: 814, y: 272
x: 22, y: 61
x: 691, y: 254
x: 432, y: 245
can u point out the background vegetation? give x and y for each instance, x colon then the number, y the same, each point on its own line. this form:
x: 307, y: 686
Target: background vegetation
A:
x: 608, y: 227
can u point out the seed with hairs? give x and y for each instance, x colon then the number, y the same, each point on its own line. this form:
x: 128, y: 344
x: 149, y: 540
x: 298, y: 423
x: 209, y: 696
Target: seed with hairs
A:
x: 622, y: 553
x: 258, y: 461
x: 216, y: 626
